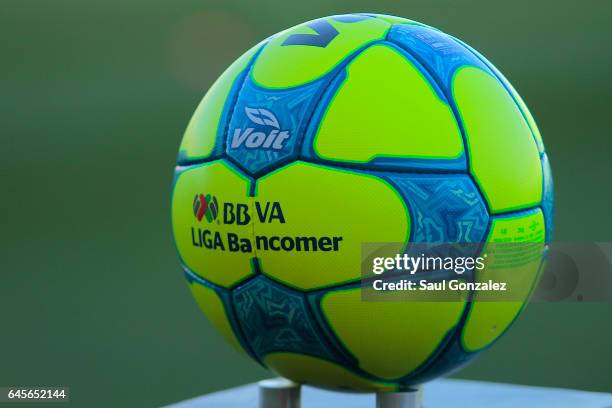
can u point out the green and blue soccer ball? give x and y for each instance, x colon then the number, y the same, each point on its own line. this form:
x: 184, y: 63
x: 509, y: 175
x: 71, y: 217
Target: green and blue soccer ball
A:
x: 340, y: 131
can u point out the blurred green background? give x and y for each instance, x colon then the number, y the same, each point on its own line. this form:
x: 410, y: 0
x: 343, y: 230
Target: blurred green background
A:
x: 94, y: 98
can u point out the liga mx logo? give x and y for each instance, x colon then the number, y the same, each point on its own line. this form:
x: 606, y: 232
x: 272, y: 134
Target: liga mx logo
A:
x: 205, y: 206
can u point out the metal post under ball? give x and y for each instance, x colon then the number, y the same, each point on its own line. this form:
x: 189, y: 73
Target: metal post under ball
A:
x: 279, y: 393
x: 284, y: 393
x: 405, y: 399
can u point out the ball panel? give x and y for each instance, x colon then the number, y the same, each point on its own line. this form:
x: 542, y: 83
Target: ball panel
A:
x: 514, y: 264
x: 328, y: 214
x: 451, y: 359
x: 197, y: 212
x: 267, y: 125
x: 311, y: 370
x: 308, y: 51
x: 444, y: 207
x: 504, y: 158
x: 376, y: 333
x: 515, y: 95
x: 385, y: 94
x: 275, y: 318
x: 202, y: 138
x: 439, y: 53
x: 211, y: 304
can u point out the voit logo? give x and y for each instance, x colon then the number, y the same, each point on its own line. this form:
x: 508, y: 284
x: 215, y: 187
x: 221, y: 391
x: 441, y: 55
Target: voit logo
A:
x: 205, y: 206
x: 266, y: 133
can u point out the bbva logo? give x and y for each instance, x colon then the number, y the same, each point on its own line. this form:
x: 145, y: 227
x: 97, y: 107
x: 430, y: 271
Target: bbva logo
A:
x: 236, y: 213
x: 272, y: 138
x: 205, y: 206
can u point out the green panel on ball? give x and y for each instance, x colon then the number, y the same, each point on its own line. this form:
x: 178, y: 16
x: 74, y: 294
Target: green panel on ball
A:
x: 524, y: 109
x: 195, y: 238
x: 386, y: 107
x: 504, y: 157
x: 389, y: 339
x: 519, y: 100
x: 211, y: 304
x: 200, y: 137
x: 329, y: 206
x: 282, y: 65
x: 514, y: 255
x: 305, y: 369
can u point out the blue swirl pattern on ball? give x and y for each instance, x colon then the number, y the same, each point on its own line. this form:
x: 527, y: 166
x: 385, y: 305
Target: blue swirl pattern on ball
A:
x: 275, y: 318
x: 444, y: 207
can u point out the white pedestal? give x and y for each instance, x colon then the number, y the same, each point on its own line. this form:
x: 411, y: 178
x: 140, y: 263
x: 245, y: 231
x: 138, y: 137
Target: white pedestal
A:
x: 441, y: 393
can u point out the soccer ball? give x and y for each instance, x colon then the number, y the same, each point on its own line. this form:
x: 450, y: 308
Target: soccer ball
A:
x: 340, y: 131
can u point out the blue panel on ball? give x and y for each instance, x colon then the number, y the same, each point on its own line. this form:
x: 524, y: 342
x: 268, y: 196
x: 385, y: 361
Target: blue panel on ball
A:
x: 444, y: 208
x: 267, y: 125
x: 275, y: 318
x: 439, y: 53
x: 548, y: 198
